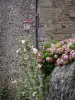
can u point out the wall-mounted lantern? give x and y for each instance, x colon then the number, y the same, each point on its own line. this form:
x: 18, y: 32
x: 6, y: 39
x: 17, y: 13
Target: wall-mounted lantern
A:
x: 27, y: 24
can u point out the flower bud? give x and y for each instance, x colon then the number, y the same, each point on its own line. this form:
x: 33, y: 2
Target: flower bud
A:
x: 55, y: 56
x: 48, y: 59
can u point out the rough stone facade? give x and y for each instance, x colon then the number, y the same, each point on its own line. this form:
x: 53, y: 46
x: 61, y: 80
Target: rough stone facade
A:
x: 12, y: 16
x: 62, y: 83
x: 59, y: 18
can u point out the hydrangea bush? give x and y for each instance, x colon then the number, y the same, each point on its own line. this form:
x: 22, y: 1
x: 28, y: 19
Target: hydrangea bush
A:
x: 58, y: 53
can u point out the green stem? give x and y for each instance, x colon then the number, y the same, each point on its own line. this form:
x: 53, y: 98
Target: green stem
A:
x: 44, y: 86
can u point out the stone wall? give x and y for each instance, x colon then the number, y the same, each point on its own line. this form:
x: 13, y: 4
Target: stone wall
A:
x: 62, y: 83
x: 59, y: 18
x: 12, y: 16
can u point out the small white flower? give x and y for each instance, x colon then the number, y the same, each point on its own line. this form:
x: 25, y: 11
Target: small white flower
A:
x: 23, y: 93
x: 32, y: 46
x: 20, y: 80
x: 45, y: 26
x: 24, y: 50
x: 39, y: 66
x: 35, y: 50
x: 17, y: 51
x: 34, y: 93
x: 23, y: 41
x: 14, y: 82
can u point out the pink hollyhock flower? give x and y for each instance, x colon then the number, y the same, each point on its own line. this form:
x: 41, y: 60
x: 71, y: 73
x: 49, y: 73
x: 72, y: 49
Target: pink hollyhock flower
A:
x: 65, y: 57
x: 73, y: 55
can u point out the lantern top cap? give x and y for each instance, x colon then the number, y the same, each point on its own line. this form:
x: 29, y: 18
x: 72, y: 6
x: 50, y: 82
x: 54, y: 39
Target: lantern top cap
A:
x: 27, y: 20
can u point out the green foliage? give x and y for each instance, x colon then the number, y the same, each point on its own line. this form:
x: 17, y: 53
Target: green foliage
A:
x: 47, y: 68
x: 55, y: 41
x: 4, y: 93
x: 58, y: 54
x: 47, y: 45
x: 30, y: 83
x: 58, y: 45
x: 46, y: 54
x: 73, y: 46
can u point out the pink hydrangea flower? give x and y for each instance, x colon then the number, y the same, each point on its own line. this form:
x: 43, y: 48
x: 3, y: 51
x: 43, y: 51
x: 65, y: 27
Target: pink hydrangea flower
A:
x: 73, y: 55
x: 59, y: 62
x: 66, y: 62
x: 52, y: 51
x: 64, y: 47
x: 69, y: 44
x: 59, y: 50
x: 72, y: 51
x: 70, y: 57
x: 67, y: 50
x: 65, y: 57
